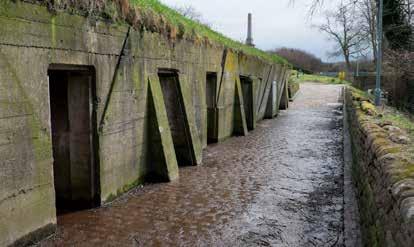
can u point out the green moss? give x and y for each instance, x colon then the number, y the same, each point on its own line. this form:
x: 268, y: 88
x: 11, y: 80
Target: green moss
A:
x: 124, y: 189
x: 53, y: 30
x: 110, y: 198
x: 409, y: 170
x: 373, y: 239
x: 371, y: 229
x: 372, y: 232
x: 130, y: 186
x: 380, y: 141
x: 136, y: 78
x: 406, y: 171
x: 41, y: 141
x: 360, y: 95
x: 372, y: 214
x: 368, y: 108
x: 393, y: 150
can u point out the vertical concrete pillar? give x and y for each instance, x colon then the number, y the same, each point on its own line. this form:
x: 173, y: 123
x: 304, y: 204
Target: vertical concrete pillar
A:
x: 163, y: 161
x: 193, y: 138
x: 239, y: 119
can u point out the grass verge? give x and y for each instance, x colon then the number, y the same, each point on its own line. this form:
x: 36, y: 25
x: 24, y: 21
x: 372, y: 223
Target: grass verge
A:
x: 316, y: 78
x: 385, y: 113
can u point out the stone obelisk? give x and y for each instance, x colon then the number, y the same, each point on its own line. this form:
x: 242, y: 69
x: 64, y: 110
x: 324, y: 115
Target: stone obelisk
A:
x: 249, y: 40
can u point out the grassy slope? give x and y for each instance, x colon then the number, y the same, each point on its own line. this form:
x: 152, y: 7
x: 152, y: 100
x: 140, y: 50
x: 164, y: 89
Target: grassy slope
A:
x: 195, y: 28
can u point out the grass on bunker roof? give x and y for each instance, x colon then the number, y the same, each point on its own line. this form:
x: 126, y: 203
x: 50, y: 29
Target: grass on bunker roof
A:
x: 193, y: 27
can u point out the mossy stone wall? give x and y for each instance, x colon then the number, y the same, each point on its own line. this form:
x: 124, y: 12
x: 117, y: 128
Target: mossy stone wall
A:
x: 386, y: 200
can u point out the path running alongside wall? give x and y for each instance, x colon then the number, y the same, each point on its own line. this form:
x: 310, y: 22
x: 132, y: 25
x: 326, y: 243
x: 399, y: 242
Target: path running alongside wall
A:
x: 282, y: 185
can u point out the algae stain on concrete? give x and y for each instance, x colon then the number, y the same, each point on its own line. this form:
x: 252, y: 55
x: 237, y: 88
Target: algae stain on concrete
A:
x: 53, y: 30
x: 41, y: 141
x: 41, y: 150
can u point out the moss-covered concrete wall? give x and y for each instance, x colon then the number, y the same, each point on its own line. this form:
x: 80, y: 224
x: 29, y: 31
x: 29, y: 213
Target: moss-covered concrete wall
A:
x: 128, y: 101
x: 382, y: 174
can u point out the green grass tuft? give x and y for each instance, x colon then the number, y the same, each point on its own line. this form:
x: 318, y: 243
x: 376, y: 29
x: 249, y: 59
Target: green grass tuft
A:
x: 401, y: 120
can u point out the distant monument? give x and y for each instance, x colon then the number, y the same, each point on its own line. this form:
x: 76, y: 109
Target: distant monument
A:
x: 249, y: 40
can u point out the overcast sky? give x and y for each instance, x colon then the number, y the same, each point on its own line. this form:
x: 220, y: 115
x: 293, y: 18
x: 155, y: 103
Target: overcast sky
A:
x: 276, y: 23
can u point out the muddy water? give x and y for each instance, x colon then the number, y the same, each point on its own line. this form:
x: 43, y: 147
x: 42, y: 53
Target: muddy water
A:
x: 282, y: 185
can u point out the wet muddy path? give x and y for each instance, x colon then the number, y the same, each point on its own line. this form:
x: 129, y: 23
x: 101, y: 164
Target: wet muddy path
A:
x: 282, y: 185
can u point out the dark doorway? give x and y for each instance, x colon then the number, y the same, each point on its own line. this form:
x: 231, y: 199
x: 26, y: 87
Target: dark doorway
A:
x: 247, y: 90
x: 72, y: 122
x: 211, y: 102
x: 177, y: 120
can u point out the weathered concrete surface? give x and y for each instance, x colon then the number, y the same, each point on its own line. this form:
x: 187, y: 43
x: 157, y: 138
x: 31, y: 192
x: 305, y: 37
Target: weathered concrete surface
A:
x: 282, y: 185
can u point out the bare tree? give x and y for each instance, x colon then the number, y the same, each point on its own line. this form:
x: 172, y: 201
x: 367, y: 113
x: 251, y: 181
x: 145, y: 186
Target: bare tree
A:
x: 315, y: 5
x: 345, y: 30
x: 191, y: 13
x: 408, y: 8
x: 300, y: 59
x: 368, y: 13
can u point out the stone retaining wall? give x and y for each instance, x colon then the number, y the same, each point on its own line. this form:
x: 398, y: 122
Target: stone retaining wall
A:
x: 383, y: 174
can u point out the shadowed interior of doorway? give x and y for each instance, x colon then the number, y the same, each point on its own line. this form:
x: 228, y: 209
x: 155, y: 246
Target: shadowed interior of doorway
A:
x: 73, y: 138
x: 247, y: 90
x: 177, y: 119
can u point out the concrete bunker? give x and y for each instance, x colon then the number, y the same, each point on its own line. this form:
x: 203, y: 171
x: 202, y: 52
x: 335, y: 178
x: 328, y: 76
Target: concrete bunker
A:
x: 71, y: 92
x: 247, y: 91
x: 211, y: 102
x: 134, y: 136
x: 177, y: 117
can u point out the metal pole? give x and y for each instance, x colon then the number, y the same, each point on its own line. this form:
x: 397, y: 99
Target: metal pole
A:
x: 379, y: 54
x: 357, y: 70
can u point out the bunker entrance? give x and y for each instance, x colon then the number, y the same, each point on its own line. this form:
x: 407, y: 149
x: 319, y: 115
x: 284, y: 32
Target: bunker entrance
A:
x: 247, y: 90
x: 177, y: 120
x: 211, y: 102
x: 72, y: 138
